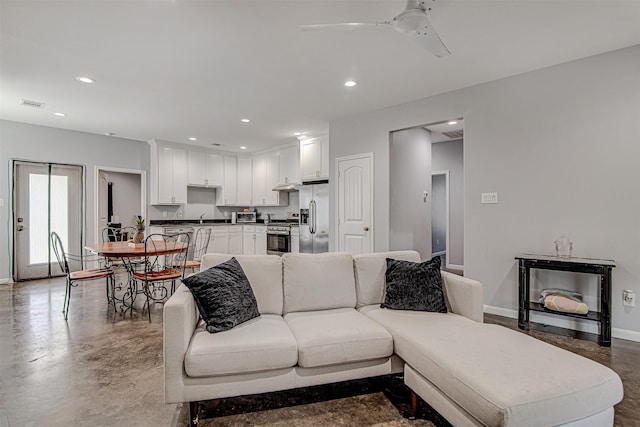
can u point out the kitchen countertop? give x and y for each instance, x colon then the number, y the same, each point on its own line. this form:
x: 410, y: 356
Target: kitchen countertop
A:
x: 210, y: 222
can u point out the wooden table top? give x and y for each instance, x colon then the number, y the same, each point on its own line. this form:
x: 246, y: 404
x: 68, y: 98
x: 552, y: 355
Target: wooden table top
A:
x: 125, y: 250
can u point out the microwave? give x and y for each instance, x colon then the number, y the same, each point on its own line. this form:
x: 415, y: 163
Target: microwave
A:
x: 245, y: 217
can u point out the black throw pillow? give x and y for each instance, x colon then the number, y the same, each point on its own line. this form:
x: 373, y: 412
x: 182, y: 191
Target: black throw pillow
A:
x: 414, y: 286
x: 223, y: 295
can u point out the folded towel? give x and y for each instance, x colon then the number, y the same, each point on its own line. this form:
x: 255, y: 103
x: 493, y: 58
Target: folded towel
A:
x: 564, y: 304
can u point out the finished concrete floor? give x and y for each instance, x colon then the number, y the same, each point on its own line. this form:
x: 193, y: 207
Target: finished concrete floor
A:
x: 101, y: 368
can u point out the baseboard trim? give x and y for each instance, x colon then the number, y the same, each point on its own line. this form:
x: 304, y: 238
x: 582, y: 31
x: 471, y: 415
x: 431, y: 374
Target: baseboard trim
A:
x: 5, y: 281
x: 568, y: 323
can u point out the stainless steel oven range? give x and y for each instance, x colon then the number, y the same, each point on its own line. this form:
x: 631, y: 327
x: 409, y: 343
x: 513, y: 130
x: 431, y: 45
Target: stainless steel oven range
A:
x: 278, y: 239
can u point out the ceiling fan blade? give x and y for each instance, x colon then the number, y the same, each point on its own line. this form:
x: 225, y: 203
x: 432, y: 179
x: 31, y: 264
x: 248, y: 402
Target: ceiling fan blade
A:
x: 428, y: 38
x: 345, y: 26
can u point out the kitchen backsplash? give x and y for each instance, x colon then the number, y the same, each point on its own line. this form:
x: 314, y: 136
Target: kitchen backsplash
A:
x: 203, y: 201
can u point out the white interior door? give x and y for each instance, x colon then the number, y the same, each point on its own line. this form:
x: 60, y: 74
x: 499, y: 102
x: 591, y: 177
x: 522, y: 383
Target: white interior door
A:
x: 47, y: 197
x: 355, y: 203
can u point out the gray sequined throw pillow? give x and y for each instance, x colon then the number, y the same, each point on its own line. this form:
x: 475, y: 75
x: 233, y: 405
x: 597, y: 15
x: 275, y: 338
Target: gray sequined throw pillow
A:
x: 223, y: 295
x: 414, y: 286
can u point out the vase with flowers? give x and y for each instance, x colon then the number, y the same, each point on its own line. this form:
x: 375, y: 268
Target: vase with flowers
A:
x: 139, y: 236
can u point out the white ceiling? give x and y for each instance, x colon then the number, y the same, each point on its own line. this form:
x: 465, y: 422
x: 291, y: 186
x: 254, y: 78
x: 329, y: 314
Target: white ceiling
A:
x: 176, y: 69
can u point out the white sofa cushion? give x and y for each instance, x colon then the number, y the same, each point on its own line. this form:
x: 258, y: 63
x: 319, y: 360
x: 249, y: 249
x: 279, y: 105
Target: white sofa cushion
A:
x: 370, y: 274
x: 318, y: 281
x: 258, y: 345
x: 342, y: 335
x: 265, y: 276
x: 502, y: 377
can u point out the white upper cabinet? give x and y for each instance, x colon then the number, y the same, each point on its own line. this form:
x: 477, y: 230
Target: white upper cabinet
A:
x: 168, y: 174
x: 228, y: 194
x: 314, y: 158
x: 289, y: 165
x: 266, y: 174
x: 245, y: 174
x: 206, y: 169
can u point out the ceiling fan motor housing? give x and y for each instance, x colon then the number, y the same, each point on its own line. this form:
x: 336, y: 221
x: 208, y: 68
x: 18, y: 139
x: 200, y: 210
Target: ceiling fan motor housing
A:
x: 410, y: 20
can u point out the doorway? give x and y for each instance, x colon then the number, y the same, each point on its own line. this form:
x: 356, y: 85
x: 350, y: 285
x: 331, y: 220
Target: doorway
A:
x: 121, y: 194
x: 440, y: 215
x: 426, y: 191
x: 46, y: 197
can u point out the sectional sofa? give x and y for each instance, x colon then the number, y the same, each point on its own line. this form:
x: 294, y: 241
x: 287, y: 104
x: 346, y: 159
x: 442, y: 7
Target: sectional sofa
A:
x: 321, y: 322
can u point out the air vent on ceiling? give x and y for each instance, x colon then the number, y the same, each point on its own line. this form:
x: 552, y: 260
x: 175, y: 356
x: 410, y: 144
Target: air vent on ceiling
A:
x: 454, y: 134
x: 32, y: 104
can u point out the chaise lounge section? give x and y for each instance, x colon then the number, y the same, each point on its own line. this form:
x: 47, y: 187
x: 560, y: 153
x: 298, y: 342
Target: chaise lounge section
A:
x: 321, y: 322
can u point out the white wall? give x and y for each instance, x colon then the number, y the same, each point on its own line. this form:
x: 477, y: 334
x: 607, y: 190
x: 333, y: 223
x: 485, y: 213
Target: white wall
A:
x: 449, y: 156
x: 126, y: 197
x: 409, y: 177
x: 561, y: 147
x: 45, y: 144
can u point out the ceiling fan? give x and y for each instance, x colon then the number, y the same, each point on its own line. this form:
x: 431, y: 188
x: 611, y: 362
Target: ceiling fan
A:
x: 413, y: 20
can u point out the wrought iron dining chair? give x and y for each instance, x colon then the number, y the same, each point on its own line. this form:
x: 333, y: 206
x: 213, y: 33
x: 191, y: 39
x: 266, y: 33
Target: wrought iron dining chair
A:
x: 161, y: 265
x: 73, y: 277
x: 197, y: 249
x: 117, y: 234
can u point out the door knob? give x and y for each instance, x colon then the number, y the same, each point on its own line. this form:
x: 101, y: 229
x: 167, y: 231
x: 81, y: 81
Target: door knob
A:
x: 366, y: 229
x: 20, y: 228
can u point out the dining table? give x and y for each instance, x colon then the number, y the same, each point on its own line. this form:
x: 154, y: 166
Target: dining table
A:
x: 130, y: 255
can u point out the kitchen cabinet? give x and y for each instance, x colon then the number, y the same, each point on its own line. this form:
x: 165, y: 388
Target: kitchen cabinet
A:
x: 314, y: 158
x: 261, y: 240
x: 249, y: 239
x: 168, y: 175
x: 228, y: 194
x: 219, y: 242
x: 254, y: 239
x: 205, y: 169
x: 295, y: 240
x: 235, y: 241
x: 245, y: 173
x: 266, y: 174
x: 289, y: 165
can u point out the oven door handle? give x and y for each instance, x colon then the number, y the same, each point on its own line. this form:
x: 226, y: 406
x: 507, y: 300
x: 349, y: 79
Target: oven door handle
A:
x: 312, y: 217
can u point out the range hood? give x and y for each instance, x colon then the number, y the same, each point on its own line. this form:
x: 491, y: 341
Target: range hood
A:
x: 287, y: 188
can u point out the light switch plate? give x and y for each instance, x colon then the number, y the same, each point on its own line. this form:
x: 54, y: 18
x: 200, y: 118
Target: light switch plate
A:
x: 488, y: 198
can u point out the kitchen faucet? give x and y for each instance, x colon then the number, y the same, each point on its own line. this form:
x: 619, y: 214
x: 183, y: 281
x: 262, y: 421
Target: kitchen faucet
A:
x: 201, y: 216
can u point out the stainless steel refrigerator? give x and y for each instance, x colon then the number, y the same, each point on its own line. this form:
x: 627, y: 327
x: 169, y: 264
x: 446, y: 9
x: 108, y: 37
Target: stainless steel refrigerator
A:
x: 314, y: 218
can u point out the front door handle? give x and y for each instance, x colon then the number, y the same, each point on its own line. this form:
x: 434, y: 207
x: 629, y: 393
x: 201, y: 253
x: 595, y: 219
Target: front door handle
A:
x: 366, y: 229
x: 20, y: 228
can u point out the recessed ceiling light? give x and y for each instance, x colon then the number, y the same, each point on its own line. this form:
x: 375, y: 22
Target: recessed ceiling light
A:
x: 192, y: 139
x: 59, y: 114
x: 297, y: 133
x: 245, y: 120
x: 243, y: 148
x: 350, y: 83
x: 452, y: 122
x: 85, y: 79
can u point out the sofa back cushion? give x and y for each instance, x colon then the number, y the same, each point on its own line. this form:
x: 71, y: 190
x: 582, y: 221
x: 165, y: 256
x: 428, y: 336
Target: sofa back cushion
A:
x: 265, y: 276
x: 318, y: 281
x: 370, y: 274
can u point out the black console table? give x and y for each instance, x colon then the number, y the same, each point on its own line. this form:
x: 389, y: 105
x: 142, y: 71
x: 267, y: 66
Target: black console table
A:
x: 601, y: 267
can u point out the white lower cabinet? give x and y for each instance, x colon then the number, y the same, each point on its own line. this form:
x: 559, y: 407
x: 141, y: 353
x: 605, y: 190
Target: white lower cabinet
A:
x: 249, y: 239
x: 219, y: 242
x: 261, y: 240
x: 235, y: 242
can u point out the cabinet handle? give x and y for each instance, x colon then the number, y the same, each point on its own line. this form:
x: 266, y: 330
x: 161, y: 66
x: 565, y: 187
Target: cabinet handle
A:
x: 317, y: 174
